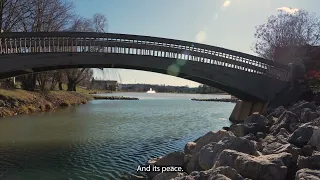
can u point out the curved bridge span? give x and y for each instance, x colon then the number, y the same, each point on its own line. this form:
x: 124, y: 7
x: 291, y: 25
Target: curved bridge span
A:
x: 242, y: 75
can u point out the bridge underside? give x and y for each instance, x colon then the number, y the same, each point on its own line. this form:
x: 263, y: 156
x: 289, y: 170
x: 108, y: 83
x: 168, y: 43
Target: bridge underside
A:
x: 244, y: 85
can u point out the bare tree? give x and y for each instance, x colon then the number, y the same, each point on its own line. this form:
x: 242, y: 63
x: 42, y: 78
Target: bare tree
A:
x: 44, y: 16
x: 28, y: 82
x: 100, y: 23
x: 75, y: 76
x: 97, y: 24
x: 47, y: 15
x: 43, y: 79
x: 57, y: 78
x: 80, y: 24
x: 286, y: 30
x: 12, y: 13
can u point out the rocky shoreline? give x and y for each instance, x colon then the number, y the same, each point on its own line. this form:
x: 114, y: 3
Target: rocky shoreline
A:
x: 282, y: 144
x: 218, y: 100
x: 114, y: 98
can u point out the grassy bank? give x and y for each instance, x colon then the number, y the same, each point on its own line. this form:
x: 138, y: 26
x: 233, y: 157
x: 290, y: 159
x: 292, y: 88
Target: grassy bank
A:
x: 15, y: 102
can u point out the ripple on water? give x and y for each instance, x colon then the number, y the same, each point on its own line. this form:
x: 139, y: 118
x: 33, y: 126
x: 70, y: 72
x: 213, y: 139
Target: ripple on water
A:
x: 104, y: 140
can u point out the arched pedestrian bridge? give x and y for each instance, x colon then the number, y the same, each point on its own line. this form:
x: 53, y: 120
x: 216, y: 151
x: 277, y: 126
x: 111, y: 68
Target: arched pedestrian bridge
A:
x: 244, y: 76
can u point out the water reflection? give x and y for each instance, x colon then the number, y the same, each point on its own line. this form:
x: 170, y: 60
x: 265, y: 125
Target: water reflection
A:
x: 103, y: 139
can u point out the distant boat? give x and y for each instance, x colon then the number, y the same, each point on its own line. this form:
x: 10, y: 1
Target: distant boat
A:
x: 151, y: 91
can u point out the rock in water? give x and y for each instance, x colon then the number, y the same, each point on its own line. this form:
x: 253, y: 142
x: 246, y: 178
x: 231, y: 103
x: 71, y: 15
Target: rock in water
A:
x: 308, y: 174
x: 250, y: 166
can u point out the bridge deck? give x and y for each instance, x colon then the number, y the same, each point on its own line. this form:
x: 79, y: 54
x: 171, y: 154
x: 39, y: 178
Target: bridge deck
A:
x: 72, y: 42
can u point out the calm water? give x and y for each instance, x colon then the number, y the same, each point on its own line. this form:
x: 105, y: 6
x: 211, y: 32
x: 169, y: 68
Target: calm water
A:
x: 104, y: 139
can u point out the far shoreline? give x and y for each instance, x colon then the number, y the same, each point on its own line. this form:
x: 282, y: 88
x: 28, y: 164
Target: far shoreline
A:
x: 161, y: 93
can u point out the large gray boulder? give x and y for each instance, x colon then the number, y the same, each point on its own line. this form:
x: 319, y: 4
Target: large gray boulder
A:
x: 169, y: 176
x: 277, y: 148
x: 288, y: 120
x: 315, y: 139
x: 171, y: 159
x: 220, y: 173
x: 312, y: 162
x: 241, y: 130
x: 298, y: 107
x: 307, y: 150
x: 283, y: 134
x: 307, y: 115
x: 193, y: 163
x: 210, y: 153
x: 251, y: 166
x: 301, y: 136
x: 281, y: 159
x: 277, y: 112
x: 211, y: 136
x: 271, y: 120
x: 251, y: 137
x: 188, y: 148
x: 308, y: 174
x: 257, y: 119
x: 253, y: 124
x: 260, y: 135
x: 281, y: 137
x: 316, y: 122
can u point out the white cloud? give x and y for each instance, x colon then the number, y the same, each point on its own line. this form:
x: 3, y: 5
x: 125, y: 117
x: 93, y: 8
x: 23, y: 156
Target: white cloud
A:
x: 201, y: 36
x: 226, y: 3
x: 288, y: 10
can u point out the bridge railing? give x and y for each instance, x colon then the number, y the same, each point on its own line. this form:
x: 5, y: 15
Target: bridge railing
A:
x: 74, y: 42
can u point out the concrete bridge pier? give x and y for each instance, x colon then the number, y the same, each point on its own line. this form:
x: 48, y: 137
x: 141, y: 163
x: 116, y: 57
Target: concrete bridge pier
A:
x: 243, y: 109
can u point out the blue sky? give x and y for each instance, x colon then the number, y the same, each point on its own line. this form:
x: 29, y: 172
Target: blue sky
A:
x: 225, y: 23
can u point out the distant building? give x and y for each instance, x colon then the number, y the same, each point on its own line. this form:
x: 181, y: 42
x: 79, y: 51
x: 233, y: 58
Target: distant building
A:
x: 104, y: 85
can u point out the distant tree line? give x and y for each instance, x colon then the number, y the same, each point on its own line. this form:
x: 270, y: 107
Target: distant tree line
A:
x: 202, y: 89
x: 49, y: 16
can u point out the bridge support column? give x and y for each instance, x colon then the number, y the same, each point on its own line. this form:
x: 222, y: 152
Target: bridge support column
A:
x: 243, y: 109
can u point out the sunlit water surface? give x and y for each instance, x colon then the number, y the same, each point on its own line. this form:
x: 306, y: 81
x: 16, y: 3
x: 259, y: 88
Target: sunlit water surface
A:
x: 104, y: 139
